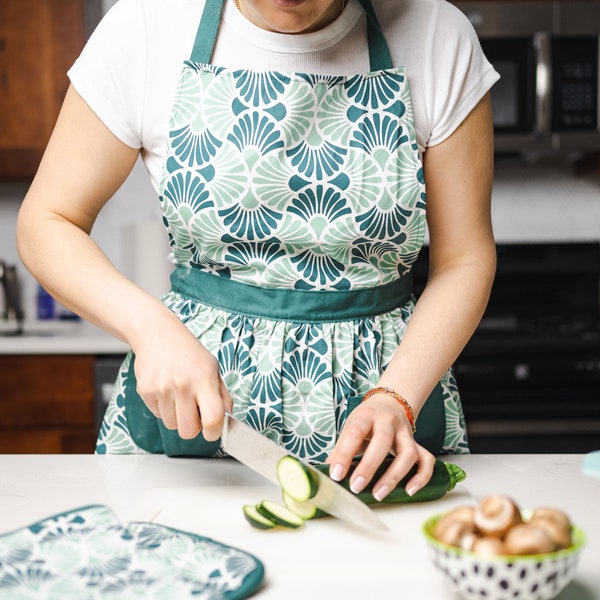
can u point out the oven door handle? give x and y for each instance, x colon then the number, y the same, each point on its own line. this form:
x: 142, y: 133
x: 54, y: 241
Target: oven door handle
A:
x: 543, y: 82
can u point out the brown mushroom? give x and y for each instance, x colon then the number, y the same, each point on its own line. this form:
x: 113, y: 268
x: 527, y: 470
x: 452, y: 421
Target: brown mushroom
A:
x: 495, y: 515
x: 461, y: 513
x: 468, y: 540
x: 455, y: 533
x: 488, y: 547
x: 552, y: 513
x: 556, y: 530
x: 526, y: 538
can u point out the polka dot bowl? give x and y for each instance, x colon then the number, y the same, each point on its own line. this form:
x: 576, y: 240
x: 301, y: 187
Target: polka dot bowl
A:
x: 531, y: 577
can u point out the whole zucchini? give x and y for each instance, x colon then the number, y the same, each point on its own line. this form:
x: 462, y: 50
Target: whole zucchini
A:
x: 445, y: 476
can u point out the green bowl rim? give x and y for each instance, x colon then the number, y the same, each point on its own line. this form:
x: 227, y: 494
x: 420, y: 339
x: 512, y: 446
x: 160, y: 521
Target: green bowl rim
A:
x: 578, y: 544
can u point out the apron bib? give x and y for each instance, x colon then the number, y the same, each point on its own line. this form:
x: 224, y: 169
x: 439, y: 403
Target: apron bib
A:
x: 295, y: 207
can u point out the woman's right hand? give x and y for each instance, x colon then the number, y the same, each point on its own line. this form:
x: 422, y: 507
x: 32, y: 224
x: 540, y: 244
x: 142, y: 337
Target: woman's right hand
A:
x: 178, y: 379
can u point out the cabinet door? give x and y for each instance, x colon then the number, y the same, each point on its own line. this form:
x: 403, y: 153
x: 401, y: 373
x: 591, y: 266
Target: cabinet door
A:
x: 39, y: 41
x: 47, y: 404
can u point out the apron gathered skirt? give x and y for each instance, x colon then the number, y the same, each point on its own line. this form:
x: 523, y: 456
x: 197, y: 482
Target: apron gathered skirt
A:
x: 295, y: 208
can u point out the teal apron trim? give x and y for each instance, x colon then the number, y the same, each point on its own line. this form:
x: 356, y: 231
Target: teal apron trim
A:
x: 283, y: 304
x: 206, y: 36
x: 431, y: 422
x: 208, y: 29
x: 379, y: 51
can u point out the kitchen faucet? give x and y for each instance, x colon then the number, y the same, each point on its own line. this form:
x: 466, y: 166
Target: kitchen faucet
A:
x: 13, y: 309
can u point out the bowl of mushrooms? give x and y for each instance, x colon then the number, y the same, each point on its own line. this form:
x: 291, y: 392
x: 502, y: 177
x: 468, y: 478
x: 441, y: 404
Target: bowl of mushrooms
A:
x: 498, y: 551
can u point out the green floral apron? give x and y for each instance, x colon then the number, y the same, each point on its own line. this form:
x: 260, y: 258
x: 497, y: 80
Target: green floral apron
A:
x: 295, y: 207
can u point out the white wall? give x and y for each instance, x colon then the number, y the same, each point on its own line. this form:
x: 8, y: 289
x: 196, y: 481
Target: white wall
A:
x: 531, y: 203
x: 136, y: 203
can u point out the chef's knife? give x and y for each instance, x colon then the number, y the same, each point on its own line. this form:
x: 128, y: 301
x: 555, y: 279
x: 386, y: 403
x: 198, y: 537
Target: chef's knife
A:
x: 261, y: 454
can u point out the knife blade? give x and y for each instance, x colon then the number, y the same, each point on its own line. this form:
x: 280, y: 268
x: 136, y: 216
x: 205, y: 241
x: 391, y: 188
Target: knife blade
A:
x: 261, y: 454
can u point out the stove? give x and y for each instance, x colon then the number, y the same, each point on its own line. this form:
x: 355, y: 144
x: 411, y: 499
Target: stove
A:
x: 530, y: 376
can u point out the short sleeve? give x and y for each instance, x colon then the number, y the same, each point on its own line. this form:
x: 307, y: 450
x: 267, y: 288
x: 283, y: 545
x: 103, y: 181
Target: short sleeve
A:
x: 458, y: 74
x: 110, y: 72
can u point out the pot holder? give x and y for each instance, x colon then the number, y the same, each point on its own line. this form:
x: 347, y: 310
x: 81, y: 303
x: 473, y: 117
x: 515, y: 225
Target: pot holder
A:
x: 88, y: 554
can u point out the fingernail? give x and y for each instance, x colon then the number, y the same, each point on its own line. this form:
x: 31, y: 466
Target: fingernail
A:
x: 335, y: 472
x: 381, y: 493
x: 358, y: 484
x: 412, y: 490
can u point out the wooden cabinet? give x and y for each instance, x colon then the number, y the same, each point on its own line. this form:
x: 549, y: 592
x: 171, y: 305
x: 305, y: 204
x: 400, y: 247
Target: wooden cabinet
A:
x: 47, y: 404
x: 39, y: 41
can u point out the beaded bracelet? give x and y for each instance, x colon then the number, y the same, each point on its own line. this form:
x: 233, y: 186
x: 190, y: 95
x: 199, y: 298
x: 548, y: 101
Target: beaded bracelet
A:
x: 405, y: 405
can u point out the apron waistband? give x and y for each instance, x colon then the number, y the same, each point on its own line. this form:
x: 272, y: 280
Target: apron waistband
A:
x: 282, y: 304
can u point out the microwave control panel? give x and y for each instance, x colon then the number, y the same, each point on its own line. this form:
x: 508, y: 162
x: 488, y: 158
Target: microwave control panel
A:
x: 575, y: 83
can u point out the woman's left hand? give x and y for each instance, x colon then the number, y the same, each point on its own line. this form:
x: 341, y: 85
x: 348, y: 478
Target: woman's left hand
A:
x: 377, y: 427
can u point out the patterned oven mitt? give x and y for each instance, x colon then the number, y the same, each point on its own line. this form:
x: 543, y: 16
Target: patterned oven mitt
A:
x: 88, y: 553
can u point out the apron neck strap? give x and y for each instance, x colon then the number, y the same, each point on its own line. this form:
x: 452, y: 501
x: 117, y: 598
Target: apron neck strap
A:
x: 379, y: 52
x: 208, y: 28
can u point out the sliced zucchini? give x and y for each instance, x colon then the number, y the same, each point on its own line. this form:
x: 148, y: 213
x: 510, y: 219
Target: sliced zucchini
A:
x: 296, y: 479
x: 305, y: 510
x: 257, y: 519
x: 279, y: 514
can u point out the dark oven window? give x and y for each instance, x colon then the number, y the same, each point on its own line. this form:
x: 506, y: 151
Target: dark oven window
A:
x: 530, y: 376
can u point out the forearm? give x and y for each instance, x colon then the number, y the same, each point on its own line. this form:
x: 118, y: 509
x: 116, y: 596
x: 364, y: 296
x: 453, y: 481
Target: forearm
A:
x: 82, y: 168
x: 71, y: 266
x: 458, y: 178
x: 445, y: 317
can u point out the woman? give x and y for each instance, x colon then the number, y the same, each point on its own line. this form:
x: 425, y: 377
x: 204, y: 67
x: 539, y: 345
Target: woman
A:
x: 290, y: 177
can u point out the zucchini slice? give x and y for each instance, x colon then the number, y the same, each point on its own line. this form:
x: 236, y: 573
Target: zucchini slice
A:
x: 305, y: 510
x: 256, y: 519
x: 279, y: 514
x: 296, y: 479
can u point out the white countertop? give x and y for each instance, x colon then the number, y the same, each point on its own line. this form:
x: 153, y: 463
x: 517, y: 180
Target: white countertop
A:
x: 544, y: 203
x: 59, y: 337
x: 326, y: 558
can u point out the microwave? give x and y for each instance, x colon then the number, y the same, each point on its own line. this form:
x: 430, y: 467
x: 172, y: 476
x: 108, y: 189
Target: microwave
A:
x: 546, y: 52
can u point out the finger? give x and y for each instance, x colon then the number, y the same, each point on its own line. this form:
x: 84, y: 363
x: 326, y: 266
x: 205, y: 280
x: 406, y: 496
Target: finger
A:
x: 379, y: 446
x: 425, y: 466
x: 227, y: 399
x: 350, y: 443
x: 188, y: 419
x: 153, y: 408
x: 212, y: 412
x: 166, y: 410
x: 400, y: 466
x: 150, y: 399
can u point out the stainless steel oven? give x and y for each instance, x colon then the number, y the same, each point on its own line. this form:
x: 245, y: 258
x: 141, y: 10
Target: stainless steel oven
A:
x: 546, y: 52
x: 530, y: 376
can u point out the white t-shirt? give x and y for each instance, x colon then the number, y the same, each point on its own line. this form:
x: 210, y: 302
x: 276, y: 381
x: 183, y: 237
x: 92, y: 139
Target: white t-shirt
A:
x: 129, y: 69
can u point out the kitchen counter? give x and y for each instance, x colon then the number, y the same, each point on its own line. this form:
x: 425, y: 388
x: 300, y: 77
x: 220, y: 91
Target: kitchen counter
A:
x: 326, y: 558
x: 544, y: 202
x: 59, y: 337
